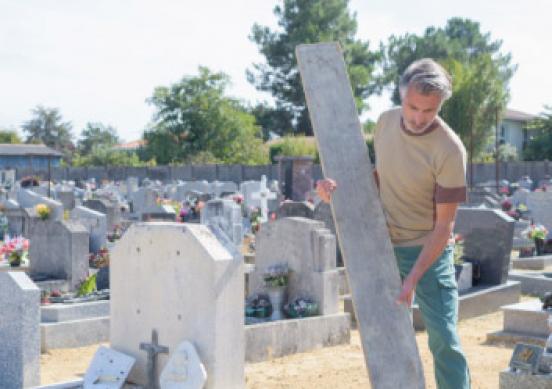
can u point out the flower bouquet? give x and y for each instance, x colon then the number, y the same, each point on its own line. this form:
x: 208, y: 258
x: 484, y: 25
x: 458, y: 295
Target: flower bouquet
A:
x: 16, y: 251
x: 276, y: 276
x: 538, y: 233
x: 43, y: 211
x: 301, y: 307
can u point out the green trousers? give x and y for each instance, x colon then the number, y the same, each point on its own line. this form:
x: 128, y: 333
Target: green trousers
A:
x: 437, y: 297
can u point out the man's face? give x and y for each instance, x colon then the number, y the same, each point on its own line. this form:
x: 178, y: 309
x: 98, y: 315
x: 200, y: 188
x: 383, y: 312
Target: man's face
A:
x: 420, y: 110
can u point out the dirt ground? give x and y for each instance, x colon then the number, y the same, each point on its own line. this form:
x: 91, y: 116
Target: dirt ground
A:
x: 332, y: 367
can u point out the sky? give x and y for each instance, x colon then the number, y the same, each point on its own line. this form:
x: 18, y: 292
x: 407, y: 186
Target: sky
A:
x: 99, y: 60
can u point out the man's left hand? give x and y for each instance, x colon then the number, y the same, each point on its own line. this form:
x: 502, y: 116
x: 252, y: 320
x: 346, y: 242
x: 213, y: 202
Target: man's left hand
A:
x: 407, y: 292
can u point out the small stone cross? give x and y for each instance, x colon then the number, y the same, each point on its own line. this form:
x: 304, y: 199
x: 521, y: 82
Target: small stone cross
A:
x: 152, y: 349
x: 264, y: 194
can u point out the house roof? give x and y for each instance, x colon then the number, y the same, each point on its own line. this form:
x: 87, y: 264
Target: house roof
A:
x: 134, y: 145
x: 28, y: 149
x: 518, y: 116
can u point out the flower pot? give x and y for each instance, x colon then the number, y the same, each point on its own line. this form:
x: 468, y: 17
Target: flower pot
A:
x: 16, y: 262
x: 539, y: 245
x: 277, y: 296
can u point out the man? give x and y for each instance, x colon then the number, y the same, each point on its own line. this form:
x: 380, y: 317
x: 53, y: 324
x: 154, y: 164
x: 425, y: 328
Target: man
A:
x: 421, y: 176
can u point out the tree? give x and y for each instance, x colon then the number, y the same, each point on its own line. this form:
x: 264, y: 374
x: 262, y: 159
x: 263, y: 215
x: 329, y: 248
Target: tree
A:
x: 48, y: 128
x: 9, y: 136
x: 194, y: 117
x: 106, y: 156
x: 478, y: 95
x: 97, y: 135
x: 539, y: 146
x: 460, y: 40
x: 308, y: 21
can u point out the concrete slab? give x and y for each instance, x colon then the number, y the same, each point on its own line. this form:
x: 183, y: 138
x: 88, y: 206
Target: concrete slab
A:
x: 511, y: 380
x: 387, y: 337
x: 532, y: 263
x: 479, y: 301
x: 533, y: 283
x: 265, y: 341
x: 74, y: 333
x: 523, y: 322
x: 67, y: 312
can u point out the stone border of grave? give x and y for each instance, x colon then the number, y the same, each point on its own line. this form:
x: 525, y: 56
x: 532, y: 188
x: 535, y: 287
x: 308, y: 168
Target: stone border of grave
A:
x: 523, y: 322
x: 532, y: 263
x: 532, y: 283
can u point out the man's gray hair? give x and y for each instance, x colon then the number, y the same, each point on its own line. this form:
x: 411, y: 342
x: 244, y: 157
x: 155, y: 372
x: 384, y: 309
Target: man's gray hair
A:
x: 426, y: 76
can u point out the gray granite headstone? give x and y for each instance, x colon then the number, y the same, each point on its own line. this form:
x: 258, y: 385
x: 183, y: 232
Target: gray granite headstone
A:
x: 308, y: 248
x: 488, y: 238
x: 19, y: 331
x: 59, y: 250
x: 109, y: 209
x: 296, y: 209
x: 29, y: 199
x: 295, y: 176
x: 226, y: 215
x: 96, y: 224
x: 540, y: 207
x: 323, y: 212
x: 67, y: 198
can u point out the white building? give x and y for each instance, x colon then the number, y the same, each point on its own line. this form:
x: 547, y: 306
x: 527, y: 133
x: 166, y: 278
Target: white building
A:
x: 513, y: 129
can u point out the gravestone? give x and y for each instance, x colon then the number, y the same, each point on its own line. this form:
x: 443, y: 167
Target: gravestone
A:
x: 217, y: 188
x: 295, y: 177
x: 16, y: 217
x: 7, y: 178
x: 111, y: 211
x: 295, y: 209
x: 159, y: 213
x: 109, y: 368
x: 19, y: 331
x: 183, y: 190
x: 66, y: 198
x: 264, y: 195
x: 388, y: 339
x: 59, y: 251
x: 309, y: 252
x: 488, y: 238
x: 29, y: 199
x: 323, y: 212
x: 226, y: 215
x: 540, y: 206
x: 181, y: 281
x: 520, y: 197
x: 96, y: 224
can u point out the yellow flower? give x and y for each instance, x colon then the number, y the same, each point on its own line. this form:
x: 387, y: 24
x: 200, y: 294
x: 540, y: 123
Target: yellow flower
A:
x: 43, y: 211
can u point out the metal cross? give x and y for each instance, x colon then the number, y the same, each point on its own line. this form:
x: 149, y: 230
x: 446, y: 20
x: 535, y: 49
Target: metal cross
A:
x: 152, y: 349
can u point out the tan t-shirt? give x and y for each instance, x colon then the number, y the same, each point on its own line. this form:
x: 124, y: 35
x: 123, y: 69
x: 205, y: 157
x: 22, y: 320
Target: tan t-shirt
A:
x: 415, y: 172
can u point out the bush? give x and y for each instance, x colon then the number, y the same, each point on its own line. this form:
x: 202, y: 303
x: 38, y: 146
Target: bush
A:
x: 294, y: 146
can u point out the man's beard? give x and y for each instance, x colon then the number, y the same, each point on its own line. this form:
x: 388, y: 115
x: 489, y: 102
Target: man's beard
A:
x: 416, y: 130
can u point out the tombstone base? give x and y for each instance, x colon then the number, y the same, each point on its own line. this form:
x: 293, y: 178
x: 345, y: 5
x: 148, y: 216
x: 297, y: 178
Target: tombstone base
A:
x: 509, y: 380
x: 533, y: 283
x: 476, y: 302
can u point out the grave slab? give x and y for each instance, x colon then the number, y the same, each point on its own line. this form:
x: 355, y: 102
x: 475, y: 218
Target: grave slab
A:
x: 386, y: 332
x: 511, y: 380
x: 19, y: 331
x: 533, y: 283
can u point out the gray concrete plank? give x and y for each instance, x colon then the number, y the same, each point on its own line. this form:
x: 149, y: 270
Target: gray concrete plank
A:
x: 388, y: 339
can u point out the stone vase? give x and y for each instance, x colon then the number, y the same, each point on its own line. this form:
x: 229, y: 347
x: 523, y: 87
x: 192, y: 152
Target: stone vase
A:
x: 277, y: 297
x: 539, y: 245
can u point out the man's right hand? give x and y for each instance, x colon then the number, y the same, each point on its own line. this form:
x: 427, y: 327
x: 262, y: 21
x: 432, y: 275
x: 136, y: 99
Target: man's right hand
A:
x: 325, y: 188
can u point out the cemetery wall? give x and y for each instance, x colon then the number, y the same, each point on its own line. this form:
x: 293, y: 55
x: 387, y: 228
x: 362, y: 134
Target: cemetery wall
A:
x: 483, y: 172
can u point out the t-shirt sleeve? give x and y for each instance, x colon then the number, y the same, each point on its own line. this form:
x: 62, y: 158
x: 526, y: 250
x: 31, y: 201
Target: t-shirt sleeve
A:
x: 451, y: 178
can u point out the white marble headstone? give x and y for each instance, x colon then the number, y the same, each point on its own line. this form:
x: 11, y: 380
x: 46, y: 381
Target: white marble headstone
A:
x: 109, y: 369
x: 184, y: 369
